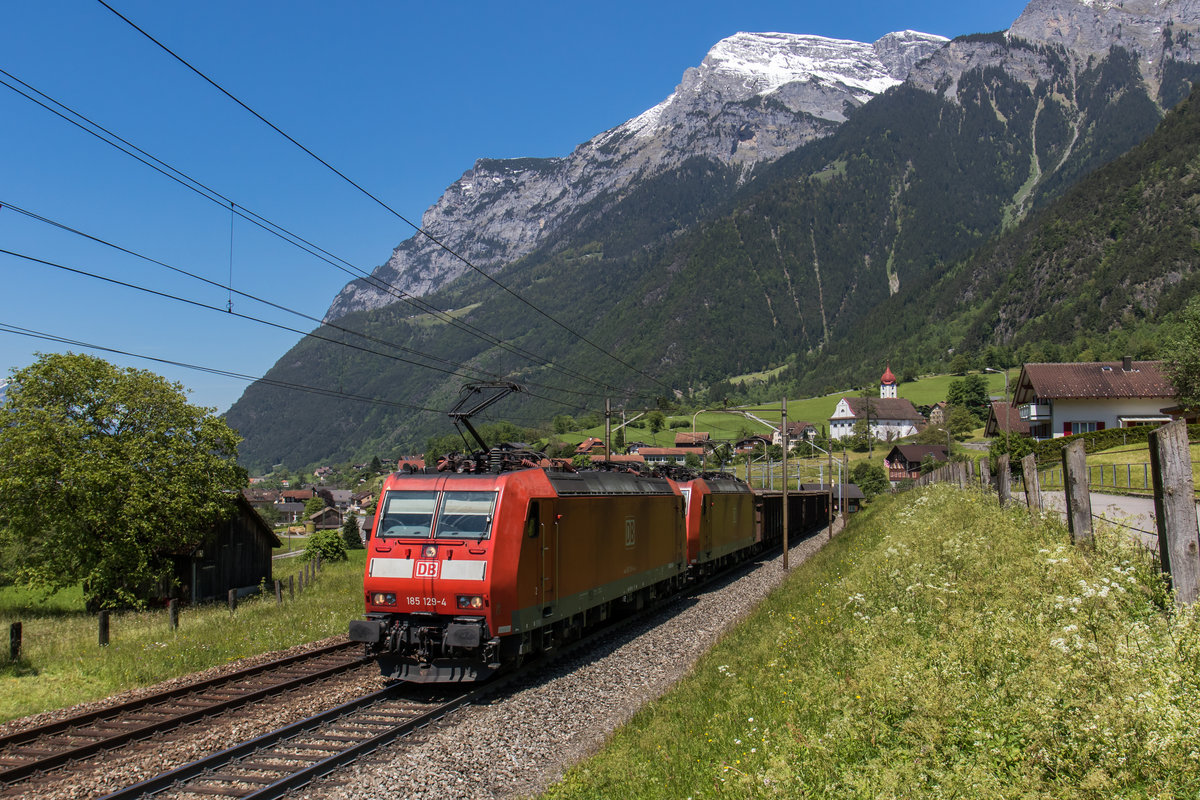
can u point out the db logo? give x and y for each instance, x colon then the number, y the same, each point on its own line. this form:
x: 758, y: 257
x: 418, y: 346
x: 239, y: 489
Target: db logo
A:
x: 427, y: 569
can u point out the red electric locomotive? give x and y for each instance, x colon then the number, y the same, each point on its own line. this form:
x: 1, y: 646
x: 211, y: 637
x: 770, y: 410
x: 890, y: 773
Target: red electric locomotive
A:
x: 469, y: 572
x: 721, y: 518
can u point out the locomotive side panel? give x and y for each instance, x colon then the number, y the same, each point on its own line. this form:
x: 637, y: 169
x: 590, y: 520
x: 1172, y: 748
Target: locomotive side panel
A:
x: 597, y: 549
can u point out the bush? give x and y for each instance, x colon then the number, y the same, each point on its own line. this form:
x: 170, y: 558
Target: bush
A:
x: 328, y: 545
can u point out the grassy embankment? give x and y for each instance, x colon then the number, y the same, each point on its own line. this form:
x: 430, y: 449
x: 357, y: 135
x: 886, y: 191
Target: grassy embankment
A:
x: 62, y: 664
x: 941, y: 647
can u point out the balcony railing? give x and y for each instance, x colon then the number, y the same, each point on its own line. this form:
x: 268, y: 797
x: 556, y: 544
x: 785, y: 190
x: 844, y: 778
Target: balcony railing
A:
x: 1035, y: 412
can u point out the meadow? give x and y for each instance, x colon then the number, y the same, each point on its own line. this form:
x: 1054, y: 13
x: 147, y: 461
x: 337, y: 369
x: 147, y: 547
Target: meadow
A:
x: 62, y: 663
x: 940, y: 647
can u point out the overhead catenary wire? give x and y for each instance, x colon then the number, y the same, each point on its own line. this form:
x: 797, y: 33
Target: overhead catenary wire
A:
x: 185, y: 180
x: 14, y: 329
x: 218, y: 309
x: 54, y: 223
x: 450, y: 251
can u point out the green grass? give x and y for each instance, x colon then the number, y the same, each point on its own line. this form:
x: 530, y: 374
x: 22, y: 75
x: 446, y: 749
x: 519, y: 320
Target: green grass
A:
x: 941, y: 647
x: 1122, y: 468
x: 62, y: 663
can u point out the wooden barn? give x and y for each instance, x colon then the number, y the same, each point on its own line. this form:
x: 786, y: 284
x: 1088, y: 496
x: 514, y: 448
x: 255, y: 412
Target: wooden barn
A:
x: 234, y: 555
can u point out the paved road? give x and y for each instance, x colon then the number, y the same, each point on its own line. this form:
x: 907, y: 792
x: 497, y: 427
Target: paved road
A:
x: 1135, y: 513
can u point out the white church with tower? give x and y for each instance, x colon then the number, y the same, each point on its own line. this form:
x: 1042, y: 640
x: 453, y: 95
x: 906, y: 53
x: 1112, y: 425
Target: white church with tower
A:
x: 890, y: 417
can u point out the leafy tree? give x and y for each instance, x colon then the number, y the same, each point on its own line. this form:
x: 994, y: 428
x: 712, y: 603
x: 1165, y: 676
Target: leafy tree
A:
x: 312, y: 505
x: 960, y: 422
x: 1181, y: 356
x: 656, y: 420
x: 107, y: 471
x: 564, y: 423
x: 970, y: 393
x: 870, y: 477
x: 933, y: 434
x: 692, y: 461
x: 327, y: 544
x: 960, y: 364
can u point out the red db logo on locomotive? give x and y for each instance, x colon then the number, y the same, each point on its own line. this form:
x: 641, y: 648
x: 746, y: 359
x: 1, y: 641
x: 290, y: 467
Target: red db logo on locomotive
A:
x: 427, y: 569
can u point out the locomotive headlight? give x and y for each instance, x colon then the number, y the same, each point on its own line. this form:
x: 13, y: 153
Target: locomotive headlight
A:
x: 470, y: 601
x: 383, y: 599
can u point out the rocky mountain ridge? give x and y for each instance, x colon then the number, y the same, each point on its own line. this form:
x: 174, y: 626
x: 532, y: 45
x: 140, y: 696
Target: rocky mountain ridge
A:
x: 754, y: 98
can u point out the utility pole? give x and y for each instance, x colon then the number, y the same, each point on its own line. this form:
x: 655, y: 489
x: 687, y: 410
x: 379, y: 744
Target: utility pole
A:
x: 784, y: 431
x: 607, y: 429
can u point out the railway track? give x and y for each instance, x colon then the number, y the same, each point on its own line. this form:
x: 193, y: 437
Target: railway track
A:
x: 48, y: 747
x: 292, y: 756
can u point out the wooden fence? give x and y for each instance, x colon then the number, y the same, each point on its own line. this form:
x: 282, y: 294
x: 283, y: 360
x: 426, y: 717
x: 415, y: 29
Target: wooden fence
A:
x: 1168, y: 477
x: 306, y: 576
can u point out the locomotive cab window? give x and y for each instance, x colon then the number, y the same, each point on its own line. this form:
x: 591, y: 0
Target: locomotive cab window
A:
x: 407, y: 514
x: 465, y: 515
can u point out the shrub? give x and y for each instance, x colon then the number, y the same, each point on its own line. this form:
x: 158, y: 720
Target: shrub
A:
x: 328, y: 545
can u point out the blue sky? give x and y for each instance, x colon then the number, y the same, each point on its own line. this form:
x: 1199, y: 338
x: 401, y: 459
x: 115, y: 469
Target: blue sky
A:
x: 401, y: 97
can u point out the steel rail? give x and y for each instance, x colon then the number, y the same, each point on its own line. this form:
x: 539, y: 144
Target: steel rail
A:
x: 78, y: 723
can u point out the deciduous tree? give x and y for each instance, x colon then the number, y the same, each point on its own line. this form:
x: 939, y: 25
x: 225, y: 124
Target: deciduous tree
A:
x: 107, y: 472
x: 1181, y: 356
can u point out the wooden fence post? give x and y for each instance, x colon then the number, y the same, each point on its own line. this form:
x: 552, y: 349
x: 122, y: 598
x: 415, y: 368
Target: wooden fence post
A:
x: 1004, y: 480
x: 291, y: 587
x: 232, y: 600
x: 278, y: 592
x: 1175, y: 509
x: 14, y: 642
x: 1077, y: 493
x: 985, y: 474
x: 173, y: 612
x: 103, y: 628
x: 1033, y: 490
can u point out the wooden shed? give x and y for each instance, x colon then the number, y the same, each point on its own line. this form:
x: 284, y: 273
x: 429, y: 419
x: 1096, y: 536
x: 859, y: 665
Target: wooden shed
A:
x: 234, y: 555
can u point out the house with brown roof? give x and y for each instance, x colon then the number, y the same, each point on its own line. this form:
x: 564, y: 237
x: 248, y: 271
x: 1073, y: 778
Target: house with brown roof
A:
x: 796, y: 431
x: 685, y: 439
x: 1003, y: 418
x: 1065, y: 399
x: 590, y: 446
x: 905, y: 460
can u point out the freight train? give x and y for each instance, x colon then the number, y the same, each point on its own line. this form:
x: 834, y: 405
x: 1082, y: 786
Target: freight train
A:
x: 470, y: 572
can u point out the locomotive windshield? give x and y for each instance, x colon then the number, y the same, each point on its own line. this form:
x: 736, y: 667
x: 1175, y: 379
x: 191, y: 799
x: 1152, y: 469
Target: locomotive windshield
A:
x: 408, y: 514
x: 465, y: 515
x: 459, y: 515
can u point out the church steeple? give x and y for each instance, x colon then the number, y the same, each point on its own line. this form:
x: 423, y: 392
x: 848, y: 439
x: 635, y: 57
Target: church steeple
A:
x: 887, y: 383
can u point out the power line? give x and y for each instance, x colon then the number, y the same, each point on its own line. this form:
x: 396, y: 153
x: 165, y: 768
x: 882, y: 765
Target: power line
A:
x: 380, y: 202
x: 229, y: 308
x: 273, y: 228
x: 7, y: 328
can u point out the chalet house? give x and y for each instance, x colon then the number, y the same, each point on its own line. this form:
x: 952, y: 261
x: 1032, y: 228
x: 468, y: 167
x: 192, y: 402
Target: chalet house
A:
x: 937, y: 414
x: 233, y: 555
x: 297, y: 495
x: 697, y: 439
x: 1065, y: 399
x: 750, y: 444
x: 327, y: 518
x: 590, y: 446
x: 410, y: 465
x: 889, y: 417
x: 796, y: 431
x: 1003, y: 418
x: 289, y: 512
x: 904, y: 460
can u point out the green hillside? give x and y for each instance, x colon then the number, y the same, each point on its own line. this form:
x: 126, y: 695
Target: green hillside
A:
x: 940, y: 647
